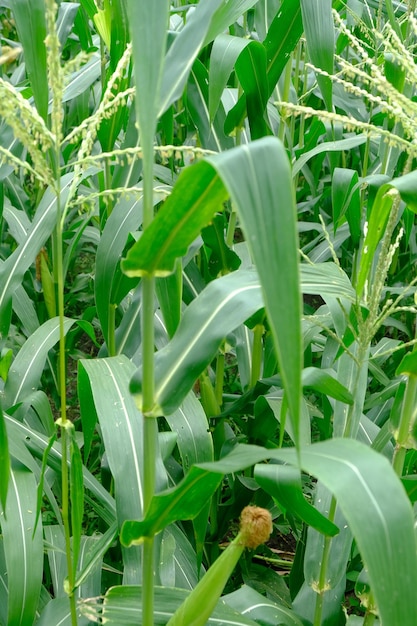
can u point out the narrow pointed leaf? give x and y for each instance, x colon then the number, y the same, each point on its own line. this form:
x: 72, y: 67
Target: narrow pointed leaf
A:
x: 15, y: 266
x: 104, y: 389
x: 26, y: 370
x: 209, y: 19
x: 282, y: 37
x: 253, y: 177
x: 122, y: 606
x: 325, y: 381
x: 222, y: 306
x: 77, y: 499
x: 183, y: 502
x: 30, y: 21
x: 22, y: 547
x: 4, y: 461
x: 197, y: 195
x: 320, y: 38
x: 126, y: 217
x: 283, y: 483
x: 224, y: 54
x: 148, y: 27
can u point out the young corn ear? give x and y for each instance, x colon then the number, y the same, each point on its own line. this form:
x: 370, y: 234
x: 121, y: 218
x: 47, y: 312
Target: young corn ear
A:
x: 255, y: 529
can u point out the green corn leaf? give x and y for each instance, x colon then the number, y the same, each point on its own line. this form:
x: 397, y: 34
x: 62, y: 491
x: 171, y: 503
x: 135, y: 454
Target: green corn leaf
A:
x: 92, y: 558
x: 327, y: 146
x: 48, y: 287
x: 262, y: 609
x: 325, y: 381
x: 260, y: 184
x: 15, y: 266
x: 58, y: 611
x: 283, y: 483
x: 169, y: 294
x: 37, y: 444
x: 211, y: 132
x: 104, y: 391
x: 148, y: 27
x: 222, y: 306
x: 77, y: 498
x: 129, y: 601
x: 31, y: 27
x: 197, y: 195
x: 378, y: 513
x: 408, y: 365
x: 252, y: 175
x: 26, y: 370
x: 251, y: 70
x: 282, y: 37
x: 23, y: 548
x: 224, y: 54
x: 125, y: 218
x: 183, y: 502
x: 4, y: 461
x: 407, y: 187
x: 209, y: 19
x: 320, y: 38
x: 346, y: 201
x: 376, y: 228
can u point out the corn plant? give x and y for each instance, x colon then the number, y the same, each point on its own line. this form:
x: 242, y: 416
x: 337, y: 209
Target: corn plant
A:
x: 207, y: 312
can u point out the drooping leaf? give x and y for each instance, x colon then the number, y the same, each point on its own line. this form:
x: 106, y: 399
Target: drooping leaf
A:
x: 327, y: 146
x: 251, y: 70
x: 23, y: 548
x: 281, y: 39
x: 183, y: 502
x: 26, y: 370
x: 4, y: 461
x: 76, y: 497
x: 104, y: 391
x: 320, y: 38
x: 193, y: 201
x: 209, y: 19
x: 122, y: 607
x: 15, y: 266
x: 219, y: 309
x: 269, y: 223
x: 283, y: 483
x: 262, y: 609
x: 148, y: 27
x: 325, y: 381
x: 30, y: 21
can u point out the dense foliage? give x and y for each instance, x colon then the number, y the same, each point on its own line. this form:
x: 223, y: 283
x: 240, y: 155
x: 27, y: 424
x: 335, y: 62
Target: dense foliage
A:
x: 207, y: 306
